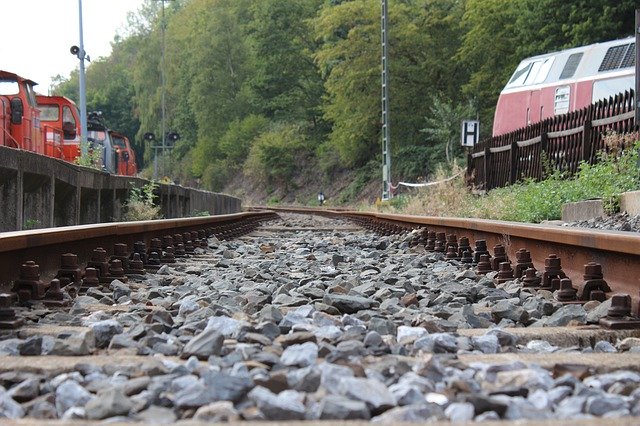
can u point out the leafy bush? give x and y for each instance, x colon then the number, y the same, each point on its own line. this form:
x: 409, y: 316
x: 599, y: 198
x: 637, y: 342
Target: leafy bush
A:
x: 412, y: 162
x: 90, y: 156
x: 217, y: 173
x: 607, y: 179
x: 141, y: 203
x: 273, y: 156
x: 236, y: 142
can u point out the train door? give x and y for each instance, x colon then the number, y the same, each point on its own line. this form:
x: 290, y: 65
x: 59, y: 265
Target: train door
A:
x: 534, y: 107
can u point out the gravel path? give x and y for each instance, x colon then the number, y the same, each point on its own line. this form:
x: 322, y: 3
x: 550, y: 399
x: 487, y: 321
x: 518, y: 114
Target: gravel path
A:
x: 324, y: 323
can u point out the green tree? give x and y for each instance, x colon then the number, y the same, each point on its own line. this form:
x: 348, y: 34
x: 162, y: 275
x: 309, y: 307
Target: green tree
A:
x: 287, y: 83
x: 443, y: 126
x: 349, y: 59
x: 423, y: 39
x: 488, y: 50
x: 214, y: 64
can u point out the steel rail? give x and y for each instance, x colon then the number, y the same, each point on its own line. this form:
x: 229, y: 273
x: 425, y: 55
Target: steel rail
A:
x: 45, y: 246
x: 618, y: 252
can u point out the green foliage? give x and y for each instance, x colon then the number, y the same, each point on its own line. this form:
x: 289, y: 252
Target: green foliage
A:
x: 89, y: 157
x: 286, y: 82
x: 444, y: 125
x: 141, y: 203
x: 349, y: 59
x: 538, y: 201
x: 31, y: 224
x: 273, y: 201
x: 240, y: 71
x: 236, y: 142
x: 273, y: 156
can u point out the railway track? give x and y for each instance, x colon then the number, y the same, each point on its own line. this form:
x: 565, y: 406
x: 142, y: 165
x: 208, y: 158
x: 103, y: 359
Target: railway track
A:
x: 310, y: 318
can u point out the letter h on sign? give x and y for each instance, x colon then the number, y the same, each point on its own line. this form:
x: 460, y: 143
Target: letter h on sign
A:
x: 470, y: 132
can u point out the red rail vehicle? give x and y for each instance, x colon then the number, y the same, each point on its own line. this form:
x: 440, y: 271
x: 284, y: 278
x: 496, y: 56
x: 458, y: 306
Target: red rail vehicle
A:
x: 19, y: 114
x: 556, y: 83
x: 125, y: 155
x: 117, y: 155
x: 60, y: 121
x: 50, y: 125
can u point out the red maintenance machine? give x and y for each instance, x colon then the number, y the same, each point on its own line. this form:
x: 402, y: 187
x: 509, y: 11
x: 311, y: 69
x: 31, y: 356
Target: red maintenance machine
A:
x: 50, y: 125
x: 19, y: 114
x: 60, y: 122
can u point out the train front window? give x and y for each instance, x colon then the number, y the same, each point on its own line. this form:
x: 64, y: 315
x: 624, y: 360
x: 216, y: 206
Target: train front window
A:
x: 118, y: 142
x: 520, y: 75
x: 9, y: 87
x: 98, y: 135
x: 31, y: 95
x: 543, y: 71
x: 68, y: 123
x: 49, y: 112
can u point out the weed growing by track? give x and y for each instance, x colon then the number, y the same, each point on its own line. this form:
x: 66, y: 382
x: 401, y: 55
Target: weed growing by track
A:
x: 141, y: 203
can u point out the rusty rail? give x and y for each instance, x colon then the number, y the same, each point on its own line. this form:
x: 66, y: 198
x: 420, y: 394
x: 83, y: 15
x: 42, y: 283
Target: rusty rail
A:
x: 617, y: 252
x: 46, y: 246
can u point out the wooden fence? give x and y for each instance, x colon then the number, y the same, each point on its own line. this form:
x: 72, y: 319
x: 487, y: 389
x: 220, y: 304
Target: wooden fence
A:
x: 562, y: 142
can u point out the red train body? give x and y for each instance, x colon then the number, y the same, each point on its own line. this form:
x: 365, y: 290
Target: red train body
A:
x: 556, y: 83
x: 19, y: 115
x: 60, y: 122
x: 50, y: 125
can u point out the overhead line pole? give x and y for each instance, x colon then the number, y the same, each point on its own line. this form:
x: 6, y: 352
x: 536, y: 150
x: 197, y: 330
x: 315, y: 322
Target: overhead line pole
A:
x: 84, y: 149
x: 637, y: 76
x: 162, y: 82
x: 386, y: 133
x: 162, y: 99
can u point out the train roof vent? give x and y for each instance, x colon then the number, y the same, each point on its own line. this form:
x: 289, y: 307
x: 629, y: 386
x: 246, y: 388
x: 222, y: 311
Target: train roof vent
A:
x: 572, y: 64
x: 615, y: 56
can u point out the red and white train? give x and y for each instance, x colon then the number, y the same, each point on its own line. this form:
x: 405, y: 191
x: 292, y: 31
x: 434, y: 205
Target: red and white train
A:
x: 556, y: 83
x: 50, y: 125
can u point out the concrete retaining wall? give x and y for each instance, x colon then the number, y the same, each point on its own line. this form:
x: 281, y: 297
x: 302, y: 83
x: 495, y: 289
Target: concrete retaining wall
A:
x: 42, y: 192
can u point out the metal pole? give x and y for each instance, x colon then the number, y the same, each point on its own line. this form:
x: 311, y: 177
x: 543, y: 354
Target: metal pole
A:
x: 386, y: 134
x: 637, y: 87
x: 162, y: 82
x: 155, y: 162
x: 84, y: 149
